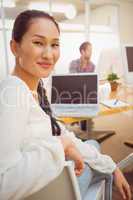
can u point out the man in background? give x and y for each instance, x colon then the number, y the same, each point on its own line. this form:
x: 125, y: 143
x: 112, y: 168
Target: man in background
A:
x: 83, y: 64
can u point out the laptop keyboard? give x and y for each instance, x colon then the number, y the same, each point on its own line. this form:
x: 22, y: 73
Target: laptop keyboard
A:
x: 76, y: 112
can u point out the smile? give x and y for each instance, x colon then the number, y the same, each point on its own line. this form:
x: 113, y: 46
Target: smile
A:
x: 45, y: 65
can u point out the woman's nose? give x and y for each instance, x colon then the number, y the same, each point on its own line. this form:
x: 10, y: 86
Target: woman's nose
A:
x: 47, y: 52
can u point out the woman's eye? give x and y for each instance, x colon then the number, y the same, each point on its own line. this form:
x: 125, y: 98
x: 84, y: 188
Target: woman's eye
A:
x: 38, y: 43
x: 55, y: 45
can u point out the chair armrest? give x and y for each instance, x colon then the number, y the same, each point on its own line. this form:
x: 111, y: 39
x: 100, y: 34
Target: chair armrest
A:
x: 126, y: 162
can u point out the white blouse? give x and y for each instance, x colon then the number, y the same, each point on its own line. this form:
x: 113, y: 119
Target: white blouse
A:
x: 30, y: 157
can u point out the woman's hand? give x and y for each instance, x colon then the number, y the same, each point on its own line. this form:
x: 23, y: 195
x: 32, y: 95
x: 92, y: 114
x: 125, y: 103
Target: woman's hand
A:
x: 71, y: 152
x: 122, y: 184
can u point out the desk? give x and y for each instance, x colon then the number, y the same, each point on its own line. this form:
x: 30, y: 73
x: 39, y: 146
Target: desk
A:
x: 124, y: 93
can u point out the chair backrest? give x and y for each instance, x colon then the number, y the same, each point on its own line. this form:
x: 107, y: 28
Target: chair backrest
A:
x: 63, y: 187
x: 127, y: 161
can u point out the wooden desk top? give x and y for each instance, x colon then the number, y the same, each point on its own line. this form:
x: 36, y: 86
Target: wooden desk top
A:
x: 124, y: 93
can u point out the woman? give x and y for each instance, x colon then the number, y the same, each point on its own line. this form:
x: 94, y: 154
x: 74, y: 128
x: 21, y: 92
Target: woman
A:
x: 34, y: 147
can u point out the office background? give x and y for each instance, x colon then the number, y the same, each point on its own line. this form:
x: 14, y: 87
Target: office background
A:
x: 106, y: 23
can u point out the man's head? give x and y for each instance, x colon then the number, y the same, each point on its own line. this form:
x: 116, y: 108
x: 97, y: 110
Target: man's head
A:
x: 86, y: 50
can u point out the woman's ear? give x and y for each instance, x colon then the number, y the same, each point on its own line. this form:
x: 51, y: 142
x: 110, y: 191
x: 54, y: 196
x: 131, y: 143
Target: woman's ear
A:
x: 14, y: 47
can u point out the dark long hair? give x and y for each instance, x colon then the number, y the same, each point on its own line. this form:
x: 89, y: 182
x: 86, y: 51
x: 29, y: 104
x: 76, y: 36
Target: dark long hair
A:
x: 21, y: 26
x: 44, y: 103
x: 24, y: 19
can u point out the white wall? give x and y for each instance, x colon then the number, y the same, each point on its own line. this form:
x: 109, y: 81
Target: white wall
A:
x: 103, y: 36
x: 106, y: 15
x: 2, y: 57
x: 119, y: 17
x: 126, y: 22
x: 4, y: 69
x: 126, y: 35
x: 103, y: 15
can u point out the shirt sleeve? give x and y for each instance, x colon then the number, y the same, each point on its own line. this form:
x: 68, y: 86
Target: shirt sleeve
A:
x: 25, y: 166
x: 93, y: 67
x: 72, y: 67
x: 100, y: 162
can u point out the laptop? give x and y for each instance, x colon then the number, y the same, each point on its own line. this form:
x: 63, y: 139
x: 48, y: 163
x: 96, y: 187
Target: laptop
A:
x: 75, y: 95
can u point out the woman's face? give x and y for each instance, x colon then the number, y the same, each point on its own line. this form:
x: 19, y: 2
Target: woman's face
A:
x: 39, y: 49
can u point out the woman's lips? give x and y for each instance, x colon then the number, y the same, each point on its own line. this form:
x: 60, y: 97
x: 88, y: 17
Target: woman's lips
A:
x: 44, y: 65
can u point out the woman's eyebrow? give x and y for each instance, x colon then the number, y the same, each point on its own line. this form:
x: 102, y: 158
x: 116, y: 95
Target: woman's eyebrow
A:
x: 43, y: 37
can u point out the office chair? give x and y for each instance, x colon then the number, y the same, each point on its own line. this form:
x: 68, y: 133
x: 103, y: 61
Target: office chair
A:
x: 65, y: 187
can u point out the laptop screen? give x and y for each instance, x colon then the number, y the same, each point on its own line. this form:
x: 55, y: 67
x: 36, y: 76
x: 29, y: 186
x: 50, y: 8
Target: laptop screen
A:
x: 74, y: 89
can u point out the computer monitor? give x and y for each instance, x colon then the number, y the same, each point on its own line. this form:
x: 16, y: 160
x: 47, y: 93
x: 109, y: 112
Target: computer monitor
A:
x: 127, y: 56
x: 75, y: 95
x: 74, y: 89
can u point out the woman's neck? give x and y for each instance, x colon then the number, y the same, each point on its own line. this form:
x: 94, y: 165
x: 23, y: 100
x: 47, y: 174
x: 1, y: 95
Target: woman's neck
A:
x: 29, y: 79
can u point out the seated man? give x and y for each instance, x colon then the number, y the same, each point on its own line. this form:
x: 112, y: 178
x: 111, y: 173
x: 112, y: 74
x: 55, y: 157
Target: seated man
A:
x: 83, y: 64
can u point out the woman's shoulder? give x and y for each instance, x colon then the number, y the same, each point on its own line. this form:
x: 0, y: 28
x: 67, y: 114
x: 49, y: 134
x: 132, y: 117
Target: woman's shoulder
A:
x: 13, y: 88
x: 14, y: 93
x: 13, y: 81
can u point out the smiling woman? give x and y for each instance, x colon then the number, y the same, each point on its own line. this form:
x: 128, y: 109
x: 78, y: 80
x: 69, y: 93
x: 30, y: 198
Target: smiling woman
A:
x: 34, y: 146
x: 38, y: 49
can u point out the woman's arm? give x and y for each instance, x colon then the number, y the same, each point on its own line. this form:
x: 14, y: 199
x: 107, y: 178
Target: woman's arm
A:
x: 102, y: 163
x: 72, y: 153
x: 122, y: 184
x: 26, y: 165
x: 96, y: 160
